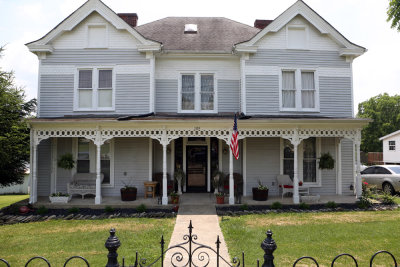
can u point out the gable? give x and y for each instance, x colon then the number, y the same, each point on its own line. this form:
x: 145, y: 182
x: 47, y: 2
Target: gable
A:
x: 80, y: 36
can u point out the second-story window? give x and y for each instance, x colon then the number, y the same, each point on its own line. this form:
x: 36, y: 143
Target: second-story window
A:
x: 94, y: 89
x: 299, y: 91
x: 197, y: 93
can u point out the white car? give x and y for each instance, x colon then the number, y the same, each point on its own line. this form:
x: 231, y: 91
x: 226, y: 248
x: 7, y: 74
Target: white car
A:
x: 385, y: 177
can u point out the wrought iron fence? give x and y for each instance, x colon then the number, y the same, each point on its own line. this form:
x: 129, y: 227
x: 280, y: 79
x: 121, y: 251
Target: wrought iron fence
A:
x: 191, y: 253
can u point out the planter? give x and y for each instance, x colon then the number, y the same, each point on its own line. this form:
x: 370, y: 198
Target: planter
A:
x: 260, y: 195
x: 63, y: 199
x: 128, y: 194
x: 220, y: 199
x: 174, y: 199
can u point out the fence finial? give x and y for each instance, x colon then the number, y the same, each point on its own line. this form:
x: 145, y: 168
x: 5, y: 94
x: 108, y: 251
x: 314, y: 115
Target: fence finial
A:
x: 112, y: 244
x: 269, y: 246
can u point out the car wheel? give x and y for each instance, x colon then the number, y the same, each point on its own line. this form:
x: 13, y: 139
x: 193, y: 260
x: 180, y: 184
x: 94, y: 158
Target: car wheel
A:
x: 388, y: 188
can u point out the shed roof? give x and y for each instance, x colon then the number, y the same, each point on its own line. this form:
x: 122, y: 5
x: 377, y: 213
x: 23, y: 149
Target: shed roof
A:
x: 389, y: 135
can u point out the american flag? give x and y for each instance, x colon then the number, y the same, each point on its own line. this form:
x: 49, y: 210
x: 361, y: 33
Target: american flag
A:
x: 234, y: 140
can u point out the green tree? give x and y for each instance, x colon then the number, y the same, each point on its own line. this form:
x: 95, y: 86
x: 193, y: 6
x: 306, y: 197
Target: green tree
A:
x: 14, y: 133
x: 393, y: 13
x: 384, y: 110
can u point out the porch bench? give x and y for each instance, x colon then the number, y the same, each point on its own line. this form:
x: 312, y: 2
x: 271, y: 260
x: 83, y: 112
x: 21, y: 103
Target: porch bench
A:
x: 83, y: 184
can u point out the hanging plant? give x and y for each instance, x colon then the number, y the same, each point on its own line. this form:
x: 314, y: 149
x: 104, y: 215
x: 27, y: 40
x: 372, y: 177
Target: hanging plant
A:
x: 326, y: 161
x: 66, y: 161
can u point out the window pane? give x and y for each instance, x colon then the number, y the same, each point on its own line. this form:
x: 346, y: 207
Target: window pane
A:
x: 187, y: 83
x: 83, y: 162
x: 309, y: 171
x: 188, y: 92
x: 307, y: 99
x: 105, y: 151
x: 207, y: 83
x: 188, y: 101
x: 309, y: 148
x: 307, y: 80
x: 105, y: 98
x: 85, y: 79
x: 207, y: 92
x: 288, y: 99
x: 105, y: 170
x: 83, y: 166
x: 105, y: 78
x: 288, y: 167
x: 207, y: 101
x: 288, y: 80
x: 85, y: 98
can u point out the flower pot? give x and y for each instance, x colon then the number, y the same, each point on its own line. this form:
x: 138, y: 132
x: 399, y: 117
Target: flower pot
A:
x: 260, y: 195
x: 128, y: 194
x: 61, y: 199
x: 174, y: 199
x: 220, y: 199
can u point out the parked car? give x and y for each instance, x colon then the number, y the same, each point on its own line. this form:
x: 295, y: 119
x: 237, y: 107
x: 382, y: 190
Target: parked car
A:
x: 385, y: 177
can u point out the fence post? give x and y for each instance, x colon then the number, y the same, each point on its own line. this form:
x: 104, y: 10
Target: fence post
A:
x: 269, y: 246
x: 112, y: 244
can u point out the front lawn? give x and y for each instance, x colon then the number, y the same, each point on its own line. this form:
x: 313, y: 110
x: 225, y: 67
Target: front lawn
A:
x: 7, y: 200
x: 320, y: 235
x: 58, y: 240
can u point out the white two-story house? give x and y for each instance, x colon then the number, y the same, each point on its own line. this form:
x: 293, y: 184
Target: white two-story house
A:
x: 129, y: 101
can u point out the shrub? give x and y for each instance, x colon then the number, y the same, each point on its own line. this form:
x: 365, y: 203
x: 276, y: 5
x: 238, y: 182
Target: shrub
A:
x: 108, y: 209
x: 331, y: 204
x: 244, y: 206
x: 73, y: 210
x: 141, y: 208
x: 304, y: 206
x: 366, y: 191
x: 276, y: 205
x: 388, y: 199
x: 364, y: 202
x: 42, y: 210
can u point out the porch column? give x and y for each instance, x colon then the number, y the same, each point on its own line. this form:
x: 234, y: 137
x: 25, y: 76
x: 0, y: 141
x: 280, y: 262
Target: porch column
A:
x: 231, y: 182
x: 244, y: 159
x: 165, y: 196
x: 150, y: 159
x: 358, y: 174
x: 98, y: 174
x: 296, y: 198
x: 34, y: 175
x: 339, y: 166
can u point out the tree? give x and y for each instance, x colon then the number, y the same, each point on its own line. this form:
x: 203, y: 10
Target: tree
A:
x: 14, y: 133
x: 393, y: 13
x: 384, y: 110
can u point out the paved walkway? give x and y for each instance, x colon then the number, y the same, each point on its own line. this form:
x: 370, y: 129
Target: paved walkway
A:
x: 200, y: 208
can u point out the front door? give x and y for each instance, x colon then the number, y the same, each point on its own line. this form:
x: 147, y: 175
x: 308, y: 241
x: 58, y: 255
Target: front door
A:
x: 196, y: 157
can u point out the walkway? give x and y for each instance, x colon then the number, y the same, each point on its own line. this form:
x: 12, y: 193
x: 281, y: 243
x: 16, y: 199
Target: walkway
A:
x: 200, y: 208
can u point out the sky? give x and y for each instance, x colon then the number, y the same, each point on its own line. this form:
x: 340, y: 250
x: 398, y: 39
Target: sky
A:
x: 363, y: 22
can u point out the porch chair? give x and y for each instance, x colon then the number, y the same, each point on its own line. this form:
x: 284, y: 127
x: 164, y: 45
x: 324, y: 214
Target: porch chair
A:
x: 237, y: 182
x: 285, y: 183
x: 158, y: 177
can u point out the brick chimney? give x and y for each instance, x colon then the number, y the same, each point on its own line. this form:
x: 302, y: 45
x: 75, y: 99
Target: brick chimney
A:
x: 130, y: 18
x: 262, y: 23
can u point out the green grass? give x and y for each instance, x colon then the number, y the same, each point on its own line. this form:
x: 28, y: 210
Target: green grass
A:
x: 320, y: 235
x: 59, y: 240
x: 7, y: 200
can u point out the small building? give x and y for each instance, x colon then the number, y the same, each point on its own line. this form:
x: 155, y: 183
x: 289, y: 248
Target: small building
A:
x: 391, y: 148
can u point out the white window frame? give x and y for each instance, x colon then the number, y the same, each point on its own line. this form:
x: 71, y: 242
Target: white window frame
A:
x: 92, y: 159
x: 393, y: 145
x: 197, y: 93
x: 300, y: 26
x: 298, y: 89
x: 95, y: 88
x: 318, y: 182
x: 97, y: 25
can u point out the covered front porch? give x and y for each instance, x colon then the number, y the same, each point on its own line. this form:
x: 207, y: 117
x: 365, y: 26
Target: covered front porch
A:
x: 142, y: 148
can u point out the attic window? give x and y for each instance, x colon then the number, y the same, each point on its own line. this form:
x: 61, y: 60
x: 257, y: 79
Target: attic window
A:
x: 190, y: 28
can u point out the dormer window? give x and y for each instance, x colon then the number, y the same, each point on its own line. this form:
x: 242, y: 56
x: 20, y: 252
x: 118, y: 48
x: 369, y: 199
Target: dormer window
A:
x: 97, y: 36
x: 297, y: 37
x: 190, y: 28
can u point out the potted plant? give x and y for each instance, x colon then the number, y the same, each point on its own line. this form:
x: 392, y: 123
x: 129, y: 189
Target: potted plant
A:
x: 217, y: 179
x: 66, y: 161
x: 326, y: 161
x: 220, y: 197
x: 128, y: 192
x: 260, y: 193
x: 59, y: 197
x: 180, y: 176
x: 174, y: 198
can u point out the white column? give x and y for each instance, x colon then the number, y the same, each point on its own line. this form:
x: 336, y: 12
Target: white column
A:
x: 339, y: 166
x: 358, y: 175
x: 172, y: 157
x: 244, y: 159
x: 165, y: 196
x: 34, y: 175
x: 150, y: 159
x: 231, y: 181
x: 98, y: 174
x: 53, y: 180
x: 296, y: 197
x: 31, y: 168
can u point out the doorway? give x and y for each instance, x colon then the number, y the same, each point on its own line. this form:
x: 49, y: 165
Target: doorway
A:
x: 196, y: 179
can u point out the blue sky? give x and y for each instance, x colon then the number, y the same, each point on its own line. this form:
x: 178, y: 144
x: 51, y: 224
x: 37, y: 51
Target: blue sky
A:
x: 361, y: 21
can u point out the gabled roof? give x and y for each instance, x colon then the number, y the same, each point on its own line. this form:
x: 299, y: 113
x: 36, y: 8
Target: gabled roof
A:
x: 69, y: 23
x: 214, y: 34
x: 390, y: 135
x: 301, y: 8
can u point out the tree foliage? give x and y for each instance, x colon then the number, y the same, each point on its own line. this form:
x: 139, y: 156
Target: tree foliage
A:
x: 393, y: 13
x: 384, y: 110
x: 14, y: 133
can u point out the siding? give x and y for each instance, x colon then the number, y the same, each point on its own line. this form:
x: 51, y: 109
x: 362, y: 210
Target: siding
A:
x: 262, y: 95
x: 132, y: 93
x: 263, y: 163
x: 347, y: 167
x: 44, y: 168
x: 335, y: 96
x: 64, y: 145
x: 95, y: 57
x: 228, y: 96
x: 166, y: 95
x: 284, y: 58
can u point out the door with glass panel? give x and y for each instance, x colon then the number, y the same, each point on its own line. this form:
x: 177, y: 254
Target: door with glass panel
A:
x: 196, y: 157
